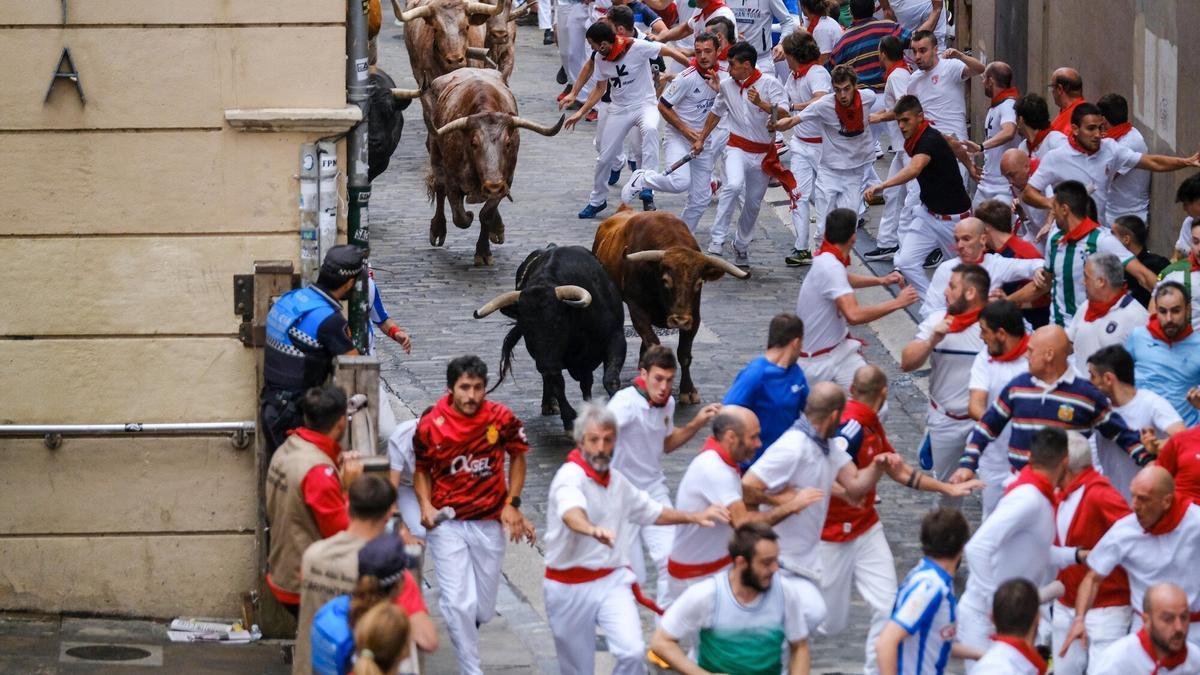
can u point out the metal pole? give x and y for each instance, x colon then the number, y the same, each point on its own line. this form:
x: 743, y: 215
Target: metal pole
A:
x: 310, y: 250
x: 358, y: 92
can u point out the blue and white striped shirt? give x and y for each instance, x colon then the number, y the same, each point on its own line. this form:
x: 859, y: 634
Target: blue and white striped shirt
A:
x: 925, y: 609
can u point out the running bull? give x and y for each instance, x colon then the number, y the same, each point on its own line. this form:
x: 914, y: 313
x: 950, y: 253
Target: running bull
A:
x: 385, y: 120
x: 497, y: 37
x: 570, y: 314
x: 473, y: 152
x: 660, y: 271
x: 435, y: 32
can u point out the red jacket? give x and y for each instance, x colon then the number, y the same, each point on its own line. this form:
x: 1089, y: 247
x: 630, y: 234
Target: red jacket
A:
x: 1100, y: 507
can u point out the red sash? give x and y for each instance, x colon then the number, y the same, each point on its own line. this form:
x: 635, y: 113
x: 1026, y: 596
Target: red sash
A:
x: 692, y: 570
x: 582, y: 575
x: 770, y: 164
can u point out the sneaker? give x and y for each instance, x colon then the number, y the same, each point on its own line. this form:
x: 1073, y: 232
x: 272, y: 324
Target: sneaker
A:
x: 614, y: 176
x: 781, y: 148
x: 934, y: 258
x: 631, y: 189
x: 862, y: 223
x: 798, y: 258
x: 632, y: 164
x: 647, y: 197
x: 716, y: 248
x: 881, y: 253
x: 741, y: 258
x: 590, y: 211
x: 548, y: 37
x: 561, y: 77
x: 592, y: 116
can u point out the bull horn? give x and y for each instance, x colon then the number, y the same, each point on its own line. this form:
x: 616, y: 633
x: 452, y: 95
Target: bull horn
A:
x: 502, y: 300
x: 403, y: 94
x: 523, y: 10
x: 460, y: 123
x: 482, y: 54
x: 727, y: 267
x: 483, y: 8
x: 417, y: 13
x: 575, y: 296
x: 543, y: 129
x: 646, y: 256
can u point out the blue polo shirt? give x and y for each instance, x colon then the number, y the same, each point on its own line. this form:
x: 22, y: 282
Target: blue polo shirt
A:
x: 776, y: 395
x: 1168, y: 370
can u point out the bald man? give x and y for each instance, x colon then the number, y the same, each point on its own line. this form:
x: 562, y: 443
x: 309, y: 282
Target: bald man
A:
x: 1162, y: 646
x: 1066, y: 87
x: 1000, y: 125
x: 970, y: 242
x: 1050, y: 393
x: 1158, y: 542
x: 1015, y: 167
x: 713, y: 478
x: 810, y: 458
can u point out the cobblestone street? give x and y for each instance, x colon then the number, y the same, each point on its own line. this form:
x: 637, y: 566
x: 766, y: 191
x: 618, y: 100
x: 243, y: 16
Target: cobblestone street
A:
x: 432, y: 292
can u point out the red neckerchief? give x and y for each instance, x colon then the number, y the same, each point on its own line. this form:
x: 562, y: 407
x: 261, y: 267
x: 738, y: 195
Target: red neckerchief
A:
x: 827, y: 247
x: 1166, y: 662
x: 324, y: 443
x: 723, y: 55
x: 1084, y: 480
x: 712, y: 444
x: 1037, y: 140
x: 1079, y: 148
x: 812, y: 24
x: 746, y: 83
x: 696, y: 64
x: 1014, y: 353
x: 910, y: 144
x: 1116, y: 131
x: 712, y: 6
x: 850, y: 117
x: 639, y: 383
x: 1156, y: 331
x: 1195, y: 264
x: 961, y: 322
x: 1027, y: 476
x: 1003, y: 95
x: 1028, y: 652
x: 576, y: 457
x: 1062, y: 122
x: 899, y: 65
x: 803, y: 70
x: 1080, y: 231
x: 618, y: 49
x: 1171, y: 519
x: 1096, y: 310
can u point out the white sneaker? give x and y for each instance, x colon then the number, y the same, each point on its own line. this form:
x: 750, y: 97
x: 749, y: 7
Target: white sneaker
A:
x: 716, y: 248
x: 636, y: 184
x: 741, y: 258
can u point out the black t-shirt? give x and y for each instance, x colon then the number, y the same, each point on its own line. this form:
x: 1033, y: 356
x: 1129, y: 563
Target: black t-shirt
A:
x: 1155, y: 263
x: 942, y: 190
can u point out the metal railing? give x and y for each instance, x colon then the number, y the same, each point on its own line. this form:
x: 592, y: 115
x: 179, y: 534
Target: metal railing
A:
x: 52, y: 434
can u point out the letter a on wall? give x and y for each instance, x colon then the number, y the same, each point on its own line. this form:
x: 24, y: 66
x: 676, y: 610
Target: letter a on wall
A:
x: 66, y: 71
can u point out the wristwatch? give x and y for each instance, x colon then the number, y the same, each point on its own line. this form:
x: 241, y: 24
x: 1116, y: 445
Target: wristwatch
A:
x: 515, y: 501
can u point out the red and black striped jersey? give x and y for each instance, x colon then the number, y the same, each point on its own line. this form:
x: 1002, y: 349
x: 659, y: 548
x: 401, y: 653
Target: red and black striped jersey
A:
x: 464, y: 456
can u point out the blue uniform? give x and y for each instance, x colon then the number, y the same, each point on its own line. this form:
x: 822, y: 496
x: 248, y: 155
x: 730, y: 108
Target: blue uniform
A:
x: 776, y: 395
x: 1167, y: 370
x: 332, y: 641
x: 924, y: 608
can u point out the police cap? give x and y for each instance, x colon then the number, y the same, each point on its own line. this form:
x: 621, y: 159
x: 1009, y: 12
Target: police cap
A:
x: 342, y: 262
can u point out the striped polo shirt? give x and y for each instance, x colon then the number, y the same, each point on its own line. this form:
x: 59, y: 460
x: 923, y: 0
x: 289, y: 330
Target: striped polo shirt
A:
x: 859, y: 49
x: 1064, y: 260
x: 1028, y: 404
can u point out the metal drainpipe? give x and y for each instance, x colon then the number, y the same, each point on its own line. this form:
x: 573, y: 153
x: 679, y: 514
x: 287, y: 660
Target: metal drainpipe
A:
x: 358, y: 92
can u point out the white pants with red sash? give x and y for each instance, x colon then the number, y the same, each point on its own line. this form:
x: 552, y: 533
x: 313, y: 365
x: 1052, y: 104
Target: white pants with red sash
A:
x: 681, y: 576
x: 466, y: 559
x: 867, y: 561
x: 575, y: 608
x: 835, y: 365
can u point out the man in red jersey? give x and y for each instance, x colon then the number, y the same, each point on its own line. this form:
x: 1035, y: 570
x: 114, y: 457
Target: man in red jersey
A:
x: 466, y: 506
x: 1180, y: 456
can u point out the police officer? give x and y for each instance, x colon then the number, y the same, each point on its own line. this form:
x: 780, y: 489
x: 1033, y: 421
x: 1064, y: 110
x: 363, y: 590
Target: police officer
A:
x: 305, y: 331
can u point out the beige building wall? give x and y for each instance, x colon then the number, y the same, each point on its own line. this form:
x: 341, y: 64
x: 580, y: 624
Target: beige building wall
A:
x: 124, y: 221
x: 1141, y: 49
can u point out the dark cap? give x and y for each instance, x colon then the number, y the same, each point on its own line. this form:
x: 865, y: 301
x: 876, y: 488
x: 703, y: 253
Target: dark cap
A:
x: 342, y: 262
x: 384, y: 558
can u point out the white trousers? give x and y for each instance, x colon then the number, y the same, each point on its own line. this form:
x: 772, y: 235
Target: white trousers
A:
x: 693, y: 177
x: 837, y: 189
x: 410, y: 509
x: 1105, y: 625
x: 984, y: 192
x: 811, y: 601
x: 804, y: 162
x: 574, y: 611
x: 973, y: 625
x: 572, y: 44
x: 655, y: 540
x: 925, y: 233
x: 867, y: 561
x: 610, y: 138
x: 466, y: 559
x: 835, y: 366
x: 744, y: 178
x: 895, y: 211
x: 946, y: 437
x: 545, y: 15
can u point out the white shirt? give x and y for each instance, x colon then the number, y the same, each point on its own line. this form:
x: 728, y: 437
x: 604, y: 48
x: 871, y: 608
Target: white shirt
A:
x: 1003, y: 659
x: 912, y: 13
x: 1014, y: 541
x: 950, y: 364
x: 796, y: 461
x: 707, y: 481
x: 1065, y: 261
x: 1095, y: 171
x: 711, y: 604
x: 1184, y: 243
x: 998, y: 115
x: 991, y: 376
x: 826, y: 34
x: 1146, y: 410
x: 754, y: 19
x: 802, y: 90
x: 893, y: 90
x: 743, y: 117
x: 696, y: 20
x: 1127, y: 657
x: 630, y: 79
x: 824, y: 325
x: 1113, y: 328
x: 1129, y: 193
x: 401, y: 456
x: 691, y: 97
x: 1000, y: 271
x: 641, y: 431
x: 615, y: 508
x: 1152, y: 559
x: 842, y: 151
x: 1052, y: 141
x: 942, y: 92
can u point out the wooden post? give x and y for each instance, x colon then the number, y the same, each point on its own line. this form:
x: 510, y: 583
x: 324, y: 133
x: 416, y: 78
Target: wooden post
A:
x: 360, y: 375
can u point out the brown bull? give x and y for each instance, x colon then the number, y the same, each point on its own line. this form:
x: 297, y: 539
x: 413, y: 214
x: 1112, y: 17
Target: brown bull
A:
x: 473, y: 152
x: 435, y: 32
x: 659, y: 269
x: 497, y: 38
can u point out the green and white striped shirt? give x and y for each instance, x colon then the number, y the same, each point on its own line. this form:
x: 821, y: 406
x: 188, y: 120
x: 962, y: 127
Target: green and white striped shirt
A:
x: 1064, y: 260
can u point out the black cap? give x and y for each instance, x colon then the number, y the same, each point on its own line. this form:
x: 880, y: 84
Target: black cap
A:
x: 342, y: 262
x: 384, y: 558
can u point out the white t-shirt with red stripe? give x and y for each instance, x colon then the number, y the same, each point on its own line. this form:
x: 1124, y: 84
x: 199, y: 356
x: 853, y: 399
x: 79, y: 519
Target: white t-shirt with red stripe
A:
x: 708, y: 480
